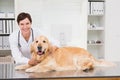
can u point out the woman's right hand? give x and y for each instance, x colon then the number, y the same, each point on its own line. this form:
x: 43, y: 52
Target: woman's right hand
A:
x: 32, y: 62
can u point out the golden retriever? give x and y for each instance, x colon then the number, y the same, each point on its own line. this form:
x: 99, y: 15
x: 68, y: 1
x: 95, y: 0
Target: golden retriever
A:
x: 50, y: 58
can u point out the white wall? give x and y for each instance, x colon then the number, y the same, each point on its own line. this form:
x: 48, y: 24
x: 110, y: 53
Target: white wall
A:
x: 8, y: 8
x: 68, y: 16
x: 112, y: 37
x: 72, y: 15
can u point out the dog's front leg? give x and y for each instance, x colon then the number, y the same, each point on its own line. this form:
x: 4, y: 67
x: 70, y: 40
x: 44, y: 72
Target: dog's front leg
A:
x: 43, y: 66
x: 39, y: 68
x: 22, y: 67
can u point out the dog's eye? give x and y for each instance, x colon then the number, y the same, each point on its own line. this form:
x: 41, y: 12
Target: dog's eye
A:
x: 36, y: 41
x: 44, y: 41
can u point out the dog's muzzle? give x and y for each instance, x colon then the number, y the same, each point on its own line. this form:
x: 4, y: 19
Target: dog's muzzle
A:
x: 40, y: 51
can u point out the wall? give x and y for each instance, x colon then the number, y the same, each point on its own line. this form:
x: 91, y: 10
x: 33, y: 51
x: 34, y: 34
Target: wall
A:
x: 72, y: 15
x: 8, y: 8
x: 69, y: 16
x: 112, y: 30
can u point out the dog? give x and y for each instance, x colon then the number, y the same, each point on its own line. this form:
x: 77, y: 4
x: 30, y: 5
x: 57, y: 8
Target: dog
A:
x: 53, y: 58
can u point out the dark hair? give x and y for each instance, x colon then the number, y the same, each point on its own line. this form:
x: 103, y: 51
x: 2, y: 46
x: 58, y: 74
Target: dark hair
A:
x: 22, y: 16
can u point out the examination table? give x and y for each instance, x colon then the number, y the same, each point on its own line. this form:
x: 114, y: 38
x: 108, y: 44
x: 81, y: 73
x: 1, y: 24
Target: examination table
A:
x: 99, y: 73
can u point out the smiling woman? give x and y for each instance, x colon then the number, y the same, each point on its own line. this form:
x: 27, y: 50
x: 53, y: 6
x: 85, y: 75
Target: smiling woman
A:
x: 24, y: 21
x: 21, y: 40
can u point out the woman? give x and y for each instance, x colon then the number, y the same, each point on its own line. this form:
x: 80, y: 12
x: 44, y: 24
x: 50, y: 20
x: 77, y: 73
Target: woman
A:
x: 20, y: 40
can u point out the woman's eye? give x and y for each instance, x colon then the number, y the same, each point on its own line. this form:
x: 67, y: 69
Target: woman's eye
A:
x: 44, y: 41
x: 36, y: 41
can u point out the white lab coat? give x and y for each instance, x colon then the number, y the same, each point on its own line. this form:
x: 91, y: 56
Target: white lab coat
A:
x: 22, y: 55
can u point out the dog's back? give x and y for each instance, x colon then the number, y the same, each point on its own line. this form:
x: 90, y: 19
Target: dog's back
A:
x: 72, y: 56
x: 78, y: 56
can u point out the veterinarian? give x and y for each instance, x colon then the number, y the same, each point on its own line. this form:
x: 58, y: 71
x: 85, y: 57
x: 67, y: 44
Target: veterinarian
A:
x: 21, y: 39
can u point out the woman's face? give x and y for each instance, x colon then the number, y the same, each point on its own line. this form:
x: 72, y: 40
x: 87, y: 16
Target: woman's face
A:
x: 25, y: 25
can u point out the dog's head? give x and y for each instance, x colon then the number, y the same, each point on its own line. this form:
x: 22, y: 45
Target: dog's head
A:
x: 41, y: 47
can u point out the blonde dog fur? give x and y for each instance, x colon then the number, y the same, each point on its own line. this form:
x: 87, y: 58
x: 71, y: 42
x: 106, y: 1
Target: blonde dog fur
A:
x: 60, y: 58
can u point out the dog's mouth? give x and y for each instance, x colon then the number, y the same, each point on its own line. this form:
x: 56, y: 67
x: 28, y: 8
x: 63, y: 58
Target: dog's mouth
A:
x: 40, y: 52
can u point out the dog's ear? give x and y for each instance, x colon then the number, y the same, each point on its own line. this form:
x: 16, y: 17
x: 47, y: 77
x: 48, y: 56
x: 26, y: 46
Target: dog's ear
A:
x: 52, y: 48
x: 32, y: 47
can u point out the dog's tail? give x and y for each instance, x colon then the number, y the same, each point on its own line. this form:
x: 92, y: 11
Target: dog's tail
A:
x: 104, y: 63
x: 101, y: 62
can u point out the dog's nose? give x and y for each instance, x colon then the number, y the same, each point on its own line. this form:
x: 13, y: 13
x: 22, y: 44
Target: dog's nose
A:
x: 39, y: 48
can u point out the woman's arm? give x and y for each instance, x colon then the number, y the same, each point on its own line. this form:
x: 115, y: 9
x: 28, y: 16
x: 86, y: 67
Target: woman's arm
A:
x: 17, y: 55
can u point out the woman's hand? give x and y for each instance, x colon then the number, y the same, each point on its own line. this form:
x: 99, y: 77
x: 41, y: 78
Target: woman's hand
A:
x: 32, y: 62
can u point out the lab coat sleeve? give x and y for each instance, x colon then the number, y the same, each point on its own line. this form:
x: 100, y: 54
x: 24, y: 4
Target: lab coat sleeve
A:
x: 17, y: 55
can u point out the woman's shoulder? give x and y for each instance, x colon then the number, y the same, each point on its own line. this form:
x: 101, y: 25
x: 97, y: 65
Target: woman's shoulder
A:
x: 36, y: 29
x: 39, y: 31
x: 14, y: 33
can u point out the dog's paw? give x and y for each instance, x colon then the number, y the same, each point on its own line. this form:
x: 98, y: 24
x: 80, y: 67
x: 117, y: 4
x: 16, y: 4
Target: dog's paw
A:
x: 38, y: 69
x: 22, y: 67
x: 19, y: 68
x: 31, y: 70
x: 28, y: 70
